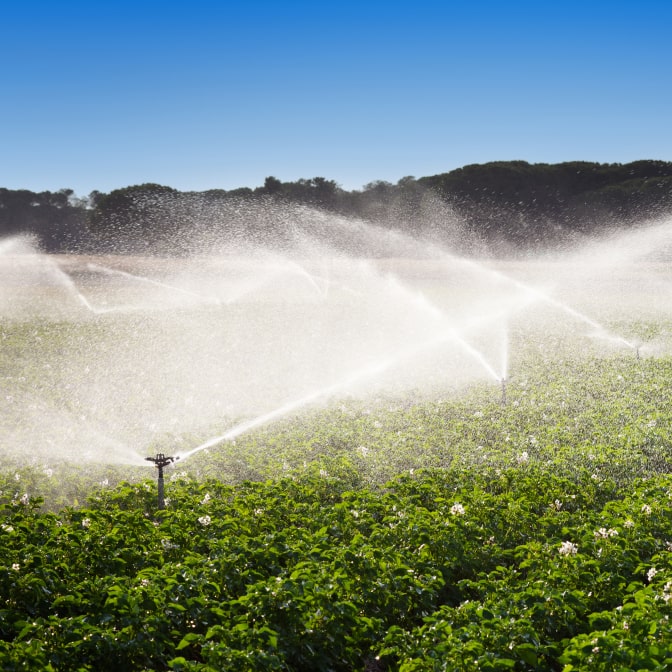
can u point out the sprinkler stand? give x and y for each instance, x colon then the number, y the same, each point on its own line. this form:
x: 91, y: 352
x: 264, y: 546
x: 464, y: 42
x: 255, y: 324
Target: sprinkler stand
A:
x: 161, y: 461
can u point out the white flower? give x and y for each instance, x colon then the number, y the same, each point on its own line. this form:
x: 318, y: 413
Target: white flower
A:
x: 568, y: 548
x: 25, y: 499
x: 557, y: 505
x: 457, y: 509
x: 651, y: 573
x: 16, y: 566
x: 7, y: 528
x: 628, y: 523
x: 604, y: 533
x: 523, y: 457
x: 667, y: 594
x: 86, y: 522
x: 206, y: 499
x: 646, y: 509
x: 204, y: 520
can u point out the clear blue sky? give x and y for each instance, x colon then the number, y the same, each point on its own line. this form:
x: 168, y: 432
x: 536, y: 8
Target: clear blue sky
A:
x: 220, y: 94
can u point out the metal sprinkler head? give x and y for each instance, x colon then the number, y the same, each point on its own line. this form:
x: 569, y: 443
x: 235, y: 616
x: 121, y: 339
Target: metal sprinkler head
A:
x: 161, y: 461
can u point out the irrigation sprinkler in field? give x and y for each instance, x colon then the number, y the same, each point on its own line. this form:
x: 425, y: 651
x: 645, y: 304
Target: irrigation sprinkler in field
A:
x: 503, y: 381
x: 161, y: 461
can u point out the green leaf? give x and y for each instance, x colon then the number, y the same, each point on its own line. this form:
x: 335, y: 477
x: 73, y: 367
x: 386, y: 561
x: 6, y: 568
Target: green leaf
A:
x: 527, y: 653
x: 187, y: 640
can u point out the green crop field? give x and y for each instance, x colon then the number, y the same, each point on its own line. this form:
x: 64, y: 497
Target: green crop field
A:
x: 495, y: 500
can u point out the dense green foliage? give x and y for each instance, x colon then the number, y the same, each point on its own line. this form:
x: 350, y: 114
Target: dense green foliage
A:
x: 509, y: 204
x: 411, y: 535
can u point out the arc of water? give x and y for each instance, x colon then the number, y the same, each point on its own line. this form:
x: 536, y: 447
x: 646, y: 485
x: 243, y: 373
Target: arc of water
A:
x: 151, y: 281
x: 68, y: 282
x: 243, y: 427
x: 541, y: 296
x: 344, y: 383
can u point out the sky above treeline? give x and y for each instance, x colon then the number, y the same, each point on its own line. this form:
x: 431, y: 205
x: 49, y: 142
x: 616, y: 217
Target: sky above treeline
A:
x: 220, y: 94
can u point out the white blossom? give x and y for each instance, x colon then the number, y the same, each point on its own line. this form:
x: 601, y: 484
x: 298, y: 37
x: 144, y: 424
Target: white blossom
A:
x: 86, y: 522
x: 457, y: 509
x: 568, y: 548
x: 646, y: 509
x: 204, y: 520
x: 604, y: 533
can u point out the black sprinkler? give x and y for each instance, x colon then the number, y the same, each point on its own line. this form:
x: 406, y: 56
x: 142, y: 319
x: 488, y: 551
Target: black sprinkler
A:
x: 161, y: 461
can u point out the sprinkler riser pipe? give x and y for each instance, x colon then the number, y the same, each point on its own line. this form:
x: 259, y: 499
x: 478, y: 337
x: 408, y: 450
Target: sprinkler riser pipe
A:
x: 160, y: 461
x: 162, y: 500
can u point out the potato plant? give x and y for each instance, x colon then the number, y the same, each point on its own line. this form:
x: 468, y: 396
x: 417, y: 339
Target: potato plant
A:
x: 415, y: 532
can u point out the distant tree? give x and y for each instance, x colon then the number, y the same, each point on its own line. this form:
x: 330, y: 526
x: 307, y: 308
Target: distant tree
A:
x: 272, y: 186
x: 55, y: 218
x: 136, y: 218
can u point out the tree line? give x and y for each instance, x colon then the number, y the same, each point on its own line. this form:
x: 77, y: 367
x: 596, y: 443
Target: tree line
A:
x: 513, y: 204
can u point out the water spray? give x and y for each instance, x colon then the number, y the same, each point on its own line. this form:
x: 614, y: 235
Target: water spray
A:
x: 504, y: 381
x: 161, y: 461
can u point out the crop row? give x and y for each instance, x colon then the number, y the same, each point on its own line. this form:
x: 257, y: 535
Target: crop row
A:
x: 441, y: 569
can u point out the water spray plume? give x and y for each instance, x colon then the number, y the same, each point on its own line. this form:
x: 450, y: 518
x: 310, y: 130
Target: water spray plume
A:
x: 345, y: 384
x: 393, y: 312
x: 151, y: 281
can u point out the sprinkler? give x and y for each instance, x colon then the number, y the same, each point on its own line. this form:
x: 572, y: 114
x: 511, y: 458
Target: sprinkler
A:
x: 503, y: 381
x: 161, y: 461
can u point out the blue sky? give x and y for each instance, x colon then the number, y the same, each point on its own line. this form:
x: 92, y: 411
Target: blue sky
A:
x: 203, y: 94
